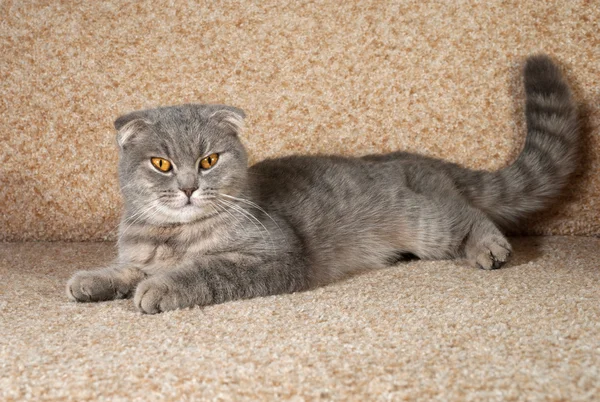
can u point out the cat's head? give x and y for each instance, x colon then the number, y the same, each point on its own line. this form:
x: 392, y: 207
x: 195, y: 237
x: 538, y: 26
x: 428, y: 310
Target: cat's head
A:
x: 175, y: 160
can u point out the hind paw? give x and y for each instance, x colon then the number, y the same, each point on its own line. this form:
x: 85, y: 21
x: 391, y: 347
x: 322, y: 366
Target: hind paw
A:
x: 490, y: 253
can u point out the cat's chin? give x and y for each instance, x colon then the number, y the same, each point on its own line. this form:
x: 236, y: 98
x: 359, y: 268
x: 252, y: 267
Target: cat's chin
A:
x: 182, y: 215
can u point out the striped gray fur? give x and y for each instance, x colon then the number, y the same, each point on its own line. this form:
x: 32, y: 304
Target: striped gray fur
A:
x: 192, y: 236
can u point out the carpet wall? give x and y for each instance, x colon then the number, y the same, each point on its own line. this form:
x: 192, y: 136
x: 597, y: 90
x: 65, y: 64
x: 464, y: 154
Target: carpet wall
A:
x: 354, y: 77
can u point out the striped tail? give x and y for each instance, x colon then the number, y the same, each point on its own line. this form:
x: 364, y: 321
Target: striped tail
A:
x: 549, y: 157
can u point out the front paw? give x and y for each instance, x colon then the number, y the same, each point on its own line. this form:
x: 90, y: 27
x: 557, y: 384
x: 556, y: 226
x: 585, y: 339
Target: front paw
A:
x: 158, y: 294
x: 93, y: 286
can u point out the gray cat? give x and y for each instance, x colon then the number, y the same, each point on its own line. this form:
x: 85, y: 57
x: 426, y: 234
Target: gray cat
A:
x: 200, y: 227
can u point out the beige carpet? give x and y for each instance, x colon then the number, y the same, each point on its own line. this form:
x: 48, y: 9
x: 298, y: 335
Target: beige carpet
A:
x: 356, y: 76
x: 421, y: 330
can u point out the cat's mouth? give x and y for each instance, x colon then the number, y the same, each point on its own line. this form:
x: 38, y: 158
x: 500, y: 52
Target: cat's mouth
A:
x: 185, y: 202
x: 190, y: 213
x: 181, y: 211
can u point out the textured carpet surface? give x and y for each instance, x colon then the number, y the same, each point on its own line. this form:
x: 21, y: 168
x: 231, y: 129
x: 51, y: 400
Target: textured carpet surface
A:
x: 353, y: 77
x: 420, y: 330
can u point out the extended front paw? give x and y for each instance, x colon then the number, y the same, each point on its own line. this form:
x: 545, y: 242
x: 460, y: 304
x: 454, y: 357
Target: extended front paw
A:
x: 160, y: 293
x: 92, y: 286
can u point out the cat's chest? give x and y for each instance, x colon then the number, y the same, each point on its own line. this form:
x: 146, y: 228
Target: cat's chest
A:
x: 157, y: 249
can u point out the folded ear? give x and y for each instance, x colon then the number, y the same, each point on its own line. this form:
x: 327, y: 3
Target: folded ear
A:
x: 130, y: 126
x: 126, y: 118
x: 230, y: 117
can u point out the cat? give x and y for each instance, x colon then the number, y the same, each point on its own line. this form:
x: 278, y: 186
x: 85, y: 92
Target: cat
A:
x: 199, y: 227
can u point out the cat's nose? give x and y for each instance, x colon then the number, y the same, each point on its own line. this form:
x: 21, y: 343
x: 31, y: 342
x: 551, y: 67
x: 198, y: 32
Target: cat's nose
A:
x: 189, y: 190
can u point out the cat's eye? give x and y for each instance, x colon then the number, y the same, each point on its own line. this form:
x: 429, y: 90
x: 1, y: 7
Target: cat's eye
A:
x: 209, y: 161
x: 161, y: 164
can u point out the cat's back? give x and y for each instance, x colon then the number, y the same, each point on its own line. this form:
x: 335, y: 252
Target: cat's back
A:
x: 300, y: 176
x: 327, y: 189
x: 368, y: 178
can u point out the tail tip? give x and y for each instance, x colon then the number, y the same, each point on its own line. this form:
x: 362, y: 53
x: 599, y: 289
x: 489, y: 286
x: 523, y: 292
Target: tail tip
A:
x: 543, y: 75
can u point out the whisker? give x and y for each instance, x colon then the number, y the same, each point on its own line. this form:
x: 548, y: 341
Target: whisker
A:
x: 226, y: 218
x: 153, y: 207
x: 255, y: 205
x: 130, y: 217
x: 251, y: 218
x: 228, y: 205
x: 140, y: 210
x: 239, y: 223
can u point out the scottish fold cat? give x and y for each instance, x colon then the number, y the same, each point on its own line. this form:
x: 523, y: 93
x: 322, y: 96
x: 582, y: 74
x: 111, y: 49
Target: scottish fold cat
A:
x: 201, y: 227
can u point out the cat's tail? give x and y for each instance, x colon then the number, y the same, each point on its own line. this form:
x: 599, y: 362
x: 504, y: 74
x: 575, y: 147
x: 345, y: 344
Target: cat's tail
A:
x: 549, y: 157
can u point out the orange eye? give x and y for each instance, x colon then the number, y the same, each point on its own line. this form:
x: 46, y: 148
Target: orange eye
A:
x: 161, y: 164
x: 209, y: 161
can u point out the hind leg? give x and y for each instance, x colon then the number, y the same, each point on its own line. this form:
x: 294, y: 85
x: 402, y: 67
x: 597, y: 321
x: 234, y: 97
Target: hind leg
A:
x: 447, y: 225
x: 450, y: 228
